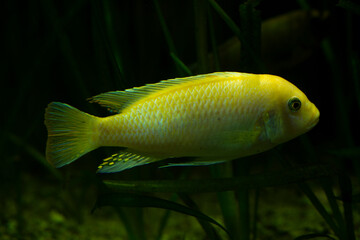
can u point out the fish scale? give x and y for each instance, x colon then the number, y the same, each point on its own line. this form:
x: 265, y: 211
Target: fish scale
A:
x: 193, y: 112
x: 149, y: 124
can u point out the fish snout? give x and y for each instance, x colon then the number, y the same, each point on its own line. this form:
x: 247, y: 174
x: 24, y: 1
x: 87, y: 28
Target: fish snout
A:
x: 315, y: 116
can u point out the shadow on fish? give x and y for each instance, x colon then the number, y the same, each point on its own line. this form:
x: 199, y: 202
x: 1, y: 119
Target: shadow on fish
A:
x: 212, y: 118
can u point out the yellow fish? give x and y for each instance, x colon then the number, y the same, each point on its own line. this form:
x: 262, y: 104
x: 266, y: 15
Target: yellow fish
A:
x: 212, y: 118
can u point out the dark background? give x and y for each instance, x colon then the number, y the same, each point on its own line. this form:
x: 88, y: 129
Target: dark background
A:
x: 68, y: 51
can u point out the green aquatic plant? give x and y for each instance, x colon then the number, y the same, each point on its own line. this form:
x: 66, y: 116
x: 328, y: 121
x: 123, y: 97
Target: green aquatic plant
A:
x: 96, y: 46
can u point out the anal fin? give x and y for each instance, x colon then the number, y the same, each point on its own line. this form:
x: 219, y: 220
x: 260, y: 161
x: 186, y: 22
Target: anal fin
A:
x: 125, y: 160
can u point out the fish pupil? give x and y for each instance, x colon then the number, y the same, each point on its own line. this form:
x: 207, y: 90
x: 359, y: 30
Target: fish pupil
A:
x: 296, y: 105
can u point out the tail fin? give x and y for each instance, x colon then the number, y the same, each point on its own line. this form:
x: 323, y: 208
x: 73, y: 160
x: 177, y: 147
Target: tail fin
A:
x: 71, y: 133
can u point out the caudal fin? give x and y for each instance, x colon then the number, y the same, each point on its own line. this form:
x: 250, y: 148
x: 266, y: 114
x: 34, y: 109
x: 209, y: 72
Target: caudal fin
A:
x: 71, y: 133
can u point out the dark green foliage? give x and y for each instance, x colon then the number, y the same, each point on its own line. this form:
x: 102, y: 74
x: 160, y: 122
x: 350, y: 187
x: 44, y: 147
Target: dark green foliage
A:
x: 69, y: 51
x: 271, y: 179
x: 314, y: 236
x: 140, y: 201
x: 350, y: 5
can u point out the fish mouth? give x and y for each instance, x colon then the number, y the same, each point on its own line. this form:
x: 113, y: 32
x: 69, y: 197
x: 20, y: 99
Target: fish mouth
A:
x: 314, y: 121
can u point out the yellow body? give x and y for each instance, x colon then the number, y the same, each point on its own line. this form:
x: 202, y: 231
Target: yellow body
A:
x: 212, y: 117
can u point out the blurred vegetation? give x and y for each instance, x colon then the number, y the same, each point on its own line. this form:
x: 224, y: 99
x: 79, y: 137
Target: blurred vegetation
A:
x: 69, y: 51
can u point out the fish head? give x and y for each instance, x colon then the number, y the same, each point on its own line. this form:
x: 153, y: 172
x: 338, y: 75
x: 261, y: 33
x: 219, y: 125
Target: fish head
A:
x: 291, y: 112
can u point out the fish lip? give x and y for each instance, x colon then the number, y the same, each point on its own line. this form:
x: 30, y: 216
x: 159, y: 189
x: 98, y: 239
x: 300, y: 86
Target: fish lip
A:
x: 314, y: 122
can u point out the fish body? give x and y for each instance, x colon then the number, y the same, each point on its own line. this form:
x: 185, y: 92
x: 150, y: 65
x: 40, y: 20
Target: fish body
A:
x: 212, y: 117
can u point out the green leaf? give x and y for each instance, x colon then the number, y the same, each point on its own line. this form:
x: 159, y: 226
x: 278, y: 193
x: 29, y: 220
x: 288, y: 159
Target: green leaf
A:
x: 232, y: 25
x: 346, y: 152
x: 164, y: 220
x: 350, y: 6
x: 355, y: 65
x: 313, y: 236
x: 320, y: 208
x: 213, y: 40
x: 200, y: 17
x: 346, y: 191
x: 180, y: 65
x: 250, y: 26
x: 135, y: 200
x: 36, y: 154
x: 208, y: 228
x: 292, y: 175
x: 356, y: 198
x: 112, y: 41
x: 165, y: 28
x: 315, y: 201
x: 227, y: 200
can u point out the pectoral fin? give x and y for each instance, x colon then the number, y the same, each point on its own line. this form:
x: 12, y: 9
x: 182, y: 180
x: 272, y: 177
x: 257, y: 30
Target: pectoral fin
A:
x: 239, y: 138
x: 201, y: 161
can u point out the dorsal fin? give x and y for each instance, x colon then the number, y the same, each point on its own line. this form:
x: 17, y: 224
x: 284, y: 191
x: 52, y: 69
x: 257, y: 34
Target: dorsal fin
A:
x: 116, y: 101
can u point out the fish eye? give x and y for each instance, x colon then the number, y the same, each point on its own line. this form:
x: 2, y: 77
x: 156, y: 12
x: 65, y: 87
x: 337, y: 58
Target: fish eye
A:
x: 294, y: 104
